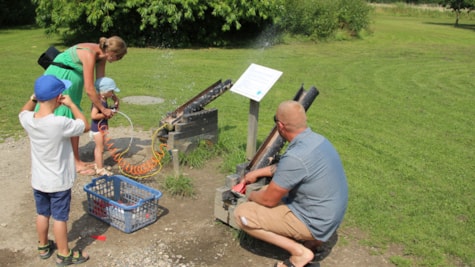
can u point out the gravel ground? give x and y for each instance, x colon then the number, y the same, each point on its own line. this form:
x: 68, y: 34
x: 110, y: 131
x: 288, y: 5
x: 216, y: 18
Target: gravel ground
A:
x: 186, y: 233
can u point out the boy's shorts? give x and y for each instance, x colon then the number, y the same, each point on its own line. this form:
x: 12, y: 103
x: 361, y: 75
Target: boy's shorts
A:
x: 55, y: 204
x: 278, y: 219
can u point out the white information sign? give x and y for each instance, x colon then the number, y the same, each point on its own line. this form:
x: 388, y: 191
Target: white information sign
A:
x: 256, y: 81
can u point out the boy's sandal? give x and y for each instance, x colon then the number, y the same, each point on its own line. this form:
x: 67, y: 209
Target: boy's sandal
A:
x: 103, y: 171
x: 74, y: 257
x: 47, y: 250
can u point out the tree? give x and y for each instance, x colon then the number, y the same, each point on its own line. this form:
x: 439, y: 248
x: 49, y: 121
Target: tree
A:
x: 157, y: 23
x: 458, y: 6
x: 321, y: 19
x: 16, y: 13
x: 185, y: 23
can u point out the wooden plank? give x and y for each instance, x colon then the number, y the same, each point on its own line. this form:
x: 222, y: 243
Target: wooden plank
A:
x: 197, y: 121
x: 200, y: 115
x: 195, y: 129
x: 192, y: 128
x: 189, y: 134
x: 252, y: 129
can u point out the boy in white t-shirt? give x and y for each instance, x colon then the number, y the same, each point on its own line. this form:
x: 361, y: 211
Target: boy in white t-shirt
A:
x: 53, y: 169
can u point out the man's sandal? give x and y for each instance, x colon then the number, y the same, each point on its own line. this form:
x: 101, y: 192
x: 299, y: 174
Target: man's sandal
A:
x: 290, y: 264
x: 285, y: 263
x: 74, y: 257
x: 47, y: 250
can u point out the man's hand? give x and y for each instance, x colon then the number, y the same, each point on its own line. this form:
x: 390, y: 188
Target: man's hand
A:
x: 250, y: 177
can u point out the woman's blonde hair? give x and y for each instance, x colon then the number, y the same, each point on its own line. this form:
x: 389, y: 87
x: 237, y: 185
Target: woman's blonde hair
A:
x: 113, y: 44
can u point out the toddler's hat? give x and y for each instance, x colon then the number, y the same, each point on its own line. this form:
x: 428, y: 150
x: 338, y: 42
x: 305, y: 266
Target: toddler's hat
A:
x: 106, y: 84
x: 48, y: 87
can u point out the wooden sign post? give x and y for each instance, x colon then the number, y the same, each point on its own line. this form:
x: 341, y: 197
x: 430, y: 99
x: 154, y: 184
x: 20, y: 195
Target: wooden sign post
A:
x: 254, y: 84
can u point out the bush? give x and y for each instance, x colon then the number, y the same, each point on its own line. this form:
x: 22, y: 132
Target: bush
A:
x: 187, y: 23
x: 16, y: 13
x: 310, y: 17
x: 321, y: 19
x: 167, y: 23
x: 353, y: 16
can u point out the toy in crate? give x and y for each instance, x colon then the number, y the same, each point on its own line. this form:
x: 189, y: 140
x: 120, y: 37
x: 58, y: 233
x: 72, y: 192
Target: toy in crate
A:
x: 121, y: 202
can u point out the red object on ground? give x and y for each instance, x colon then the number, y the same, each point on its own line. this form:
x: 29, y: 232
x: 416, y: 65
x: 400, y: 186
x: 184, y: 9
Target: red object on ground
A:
x: 239, y: 188
x: 99, y: 237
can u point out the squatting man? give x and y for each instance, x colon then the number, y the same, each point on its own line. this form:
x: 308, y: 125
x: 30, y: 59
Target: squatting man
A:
x: 306, y: 200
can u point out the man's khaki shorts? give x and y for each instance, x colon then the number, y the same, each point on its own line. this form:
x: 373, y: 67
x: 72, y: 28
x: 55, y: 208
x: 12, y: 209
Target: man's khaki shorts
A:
x: 279, y: 220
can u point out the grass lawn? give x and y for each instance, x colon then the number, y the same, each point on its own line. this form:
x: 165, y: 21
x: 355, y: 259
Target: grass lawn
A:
x: 398, y: 105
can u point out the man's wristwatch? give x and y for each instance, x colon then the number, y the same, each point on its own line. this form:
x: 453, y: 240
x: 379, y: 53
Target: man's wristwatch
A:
x: 33, y: 98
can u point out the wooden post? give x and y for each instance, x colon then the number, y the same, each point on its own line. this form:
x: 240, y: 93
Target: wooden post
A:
x: 252, y: 129
x: 176, y: 162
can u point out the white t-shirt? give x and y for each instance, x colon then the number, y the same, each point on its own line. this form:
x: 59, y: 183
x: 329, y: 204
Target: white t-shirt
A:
x: 52, y: 160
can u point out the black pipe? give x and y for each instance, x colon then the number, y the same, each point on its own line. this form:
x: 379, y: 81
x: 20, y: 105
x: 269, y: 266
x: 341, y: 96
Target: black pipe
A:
x: 212, y: 93
x: 268, y: 151
x: 195, y: 104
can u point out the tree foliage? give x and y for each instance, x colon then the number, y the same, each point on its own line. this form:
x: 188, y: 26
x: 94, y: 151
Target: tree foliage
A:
x: 406, y: 1
x: 16, y: 13
x: 321, y: 19
x: 160, y: 23
x: 184, y: 23
x: 458, y: 6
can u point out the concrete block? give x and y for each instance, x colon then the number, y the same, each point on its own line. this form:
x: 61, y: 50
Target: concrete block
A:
x: 241, y: 200
x: 241, y: 168
x: 221, y: 212
x: 225, y: 213
x: 218, y: 198
x: 232, y: 180
x: 232, y: 221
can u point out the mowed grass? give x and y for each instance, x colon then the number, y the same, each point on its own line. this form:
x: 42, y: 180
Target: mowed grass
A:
x: 398, y: 105
x: 406, y: 128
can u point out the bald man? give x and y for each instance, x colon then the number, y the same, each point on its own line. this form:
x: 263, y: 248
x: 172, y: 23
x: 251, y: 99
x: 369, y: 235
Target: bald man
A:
x: 304, y: 204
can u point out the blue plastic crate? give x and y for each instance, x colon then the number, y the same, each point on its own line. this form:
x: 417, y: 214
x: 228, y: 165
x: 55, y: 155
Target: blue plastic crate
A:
x: 122, y: 202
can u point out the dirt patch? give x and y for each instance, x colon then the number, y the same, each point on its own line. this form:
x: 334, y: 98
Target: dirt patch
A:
x: 186, y: 234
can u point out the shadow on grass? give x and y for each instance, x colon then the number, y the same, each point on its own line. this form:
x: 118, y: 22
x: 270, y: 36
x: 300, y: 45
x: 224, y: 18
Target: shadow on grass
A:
x: 470, y: 27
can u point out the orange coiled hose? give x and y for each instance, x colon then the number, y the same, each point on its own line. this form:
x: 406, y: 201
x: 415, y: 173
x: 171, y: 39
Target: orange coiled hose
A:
x: 142, y: 170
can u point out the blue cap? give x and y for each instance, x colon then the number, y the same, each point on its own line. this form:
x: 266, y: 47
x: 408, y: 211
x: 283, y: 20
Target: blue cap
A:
x: 48, y: 87
x: 105, y: 84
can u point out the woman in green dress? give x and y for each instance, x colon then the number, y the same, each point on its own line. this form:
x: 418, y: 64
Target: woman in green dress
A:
x: 86, y: 62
